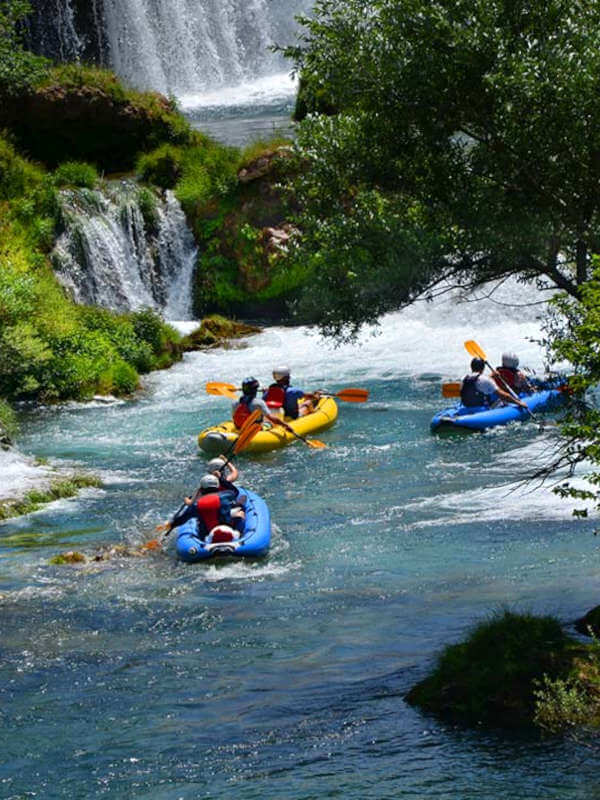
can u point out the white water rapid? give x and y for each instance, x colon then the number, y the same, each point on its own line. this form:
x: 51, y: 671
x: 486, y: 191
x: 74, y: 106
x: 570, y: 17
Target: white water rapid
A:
x: 115, y: 255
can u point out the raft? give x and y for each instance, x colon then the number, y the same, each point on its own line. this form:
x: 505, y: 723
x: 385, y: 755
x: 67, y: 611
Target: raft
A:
x: 219, y: 438
x: 253, y: 543
x: 479, y: 418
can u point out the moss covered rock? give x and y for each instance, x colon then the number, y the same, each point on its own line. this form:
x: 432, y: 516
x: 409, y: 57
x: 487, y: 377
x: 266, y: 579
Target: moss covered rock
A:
x: 215, y: 331
x: 86, y: 114
x: 491, y: 677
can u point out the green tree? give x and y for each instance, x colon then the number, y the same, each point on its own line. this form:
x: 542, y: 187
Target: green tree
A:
x: 573, y: 335
x: 466, y: 148
x: 19, y: 68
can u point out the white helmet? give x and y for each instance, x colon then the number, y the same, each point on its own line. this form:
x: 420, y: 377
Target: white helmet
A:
x: 510, y: 360
x: 281, y: 372
x: 215, y: 463
x: 209, y: 483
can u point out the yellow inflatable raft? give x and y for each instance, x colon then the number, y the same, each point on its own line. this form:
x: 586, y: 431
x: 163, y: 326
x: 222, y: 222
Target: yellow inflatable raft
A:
x: 219, y: 438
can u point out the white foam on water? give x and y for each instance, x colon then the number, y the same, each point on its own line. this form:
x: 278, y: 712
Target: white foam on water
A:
x: 270, y: 90
x: 20, y: 473
x: 424, y: 338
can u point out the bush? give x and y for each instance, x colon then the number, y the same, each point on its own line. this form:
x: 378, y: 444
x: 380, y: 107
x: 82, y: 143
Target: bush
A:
x: 76, y: 173
x: 162, y: 167
x: 125, y: 378
x: 8, y: 423
x: 490, y: 677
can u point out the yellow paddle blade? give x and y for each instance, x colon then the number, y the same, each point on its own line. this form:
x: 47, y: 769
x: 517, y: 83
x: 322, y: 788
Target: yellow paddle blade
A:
x: 473, y: 349
x: 353, y: 395
x: 222, y: 391
x: 218, y: 388
x: 451, y: 389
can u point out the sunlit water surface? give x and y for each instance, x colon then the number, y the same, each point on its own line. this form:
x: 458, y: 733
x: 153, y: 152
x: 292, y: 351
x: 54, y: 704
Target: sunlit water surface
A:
x: 284, y: 678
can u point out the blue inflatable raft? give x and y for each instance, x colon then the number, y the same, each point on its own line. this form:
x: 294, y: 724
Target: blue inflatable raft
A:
x: 253, y: 542
x: 459, y: 417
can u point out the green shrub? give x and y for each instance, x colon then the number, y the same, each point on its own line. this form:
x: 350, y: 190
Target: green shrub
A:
x: 147, y: 204
x: 8, y: 422
x: 19, y: 69
x: 125, y: 378
x: 162, y: 167
x: 76, y: 173
x: 490, y: 677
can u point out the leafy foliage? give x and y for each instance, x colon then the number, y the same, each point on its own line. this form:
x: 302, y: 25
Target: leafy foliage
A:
x: 572, y: 332
x: 19, y: 69
x: 465, y: 148
x: 76, y: 173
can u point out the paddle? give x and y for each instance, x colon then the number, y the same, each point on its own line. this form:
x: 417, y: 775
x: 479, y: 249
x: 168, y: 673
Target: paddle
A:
x: 247, y: 432
x: 451, y: 389
x: 350, y: 395
x: 473, y: 349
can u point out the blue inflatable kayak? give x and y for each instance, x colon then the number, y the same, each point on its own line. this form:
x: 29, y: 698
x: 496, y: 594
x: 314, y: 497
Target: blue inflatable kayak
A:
x: 459, y: 417
x: 253, y: 542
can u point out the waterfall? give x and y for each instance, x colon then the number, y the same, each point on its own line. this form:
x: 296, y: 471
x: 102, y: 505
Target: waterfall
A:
x: 173, y: 46
x: 125, y: 248
x: 191, y: 46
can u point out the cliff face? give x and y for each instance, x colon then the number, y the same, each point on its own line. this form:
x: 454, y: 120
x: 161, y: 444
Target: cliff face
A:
x: 68, y: 30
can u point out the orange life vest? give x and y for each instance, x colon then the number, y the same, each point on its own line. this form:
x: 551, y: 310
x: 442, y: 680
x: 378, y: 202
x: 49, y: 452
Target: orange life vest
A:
x: 241, y: 412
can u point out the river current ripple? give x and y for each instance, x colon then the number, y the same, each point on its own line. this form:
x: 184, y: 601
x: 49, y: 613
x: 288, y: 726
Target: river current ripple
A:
x: 285, y: 678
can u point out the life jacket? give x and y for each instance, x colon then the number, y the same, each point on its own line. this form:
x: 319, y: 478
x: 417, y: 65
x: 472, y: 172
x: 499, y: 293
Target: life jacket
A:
x: 509, y: 375
x: 242, y: 411
x: 208, y: 507
x: 274, y: 397
x: 470, y: 395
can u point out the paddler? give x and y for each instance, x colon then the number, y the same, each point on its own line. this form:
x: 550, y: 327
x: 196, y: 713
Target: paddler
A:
x: 511, y: 375
x: 479, y: 390
x: 212, y: 508
x: 226, y: 472
x: 281, y: 395
x: 249, y: 402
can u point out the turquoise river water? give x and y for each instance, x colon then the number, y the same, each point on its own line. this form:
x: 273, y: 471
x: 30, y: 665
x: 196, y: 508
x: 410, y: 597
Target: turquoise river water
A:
x: 284, y: 678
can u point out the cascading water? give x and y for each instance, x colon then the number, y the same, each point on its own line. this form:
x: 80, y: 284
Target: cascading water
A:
x: 186, y: 46
x: 120, y: 252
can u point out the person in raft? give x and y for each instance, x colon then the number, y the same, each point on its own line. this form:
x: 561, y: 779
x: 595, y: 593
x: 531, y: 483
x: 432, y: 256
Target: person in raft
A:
x: 249, y: 402
x: 479, y: 390
x: 226, y: 472
x: 511, y: 375
x: 281, y: 395
x: 212, y: 509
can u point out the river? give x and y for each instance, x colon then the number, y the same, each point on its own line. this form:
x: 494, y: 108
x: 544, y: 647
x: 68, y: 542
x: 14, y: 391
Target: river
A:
x: 284, y: 678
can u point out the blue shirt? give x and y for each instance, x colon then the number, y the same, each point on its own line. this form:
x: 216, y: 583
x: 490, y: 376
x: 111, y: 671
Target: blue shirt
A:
x: 290, y: 404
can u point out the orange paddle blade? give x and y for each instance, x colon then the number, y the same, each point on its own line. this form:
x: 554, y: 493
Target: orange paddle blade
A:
x: 353, y: 395
x: 451, y: 389
x: 153, y: 544
x: 315, y: 443
x: 246, y: 437
x: 473, y: 349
